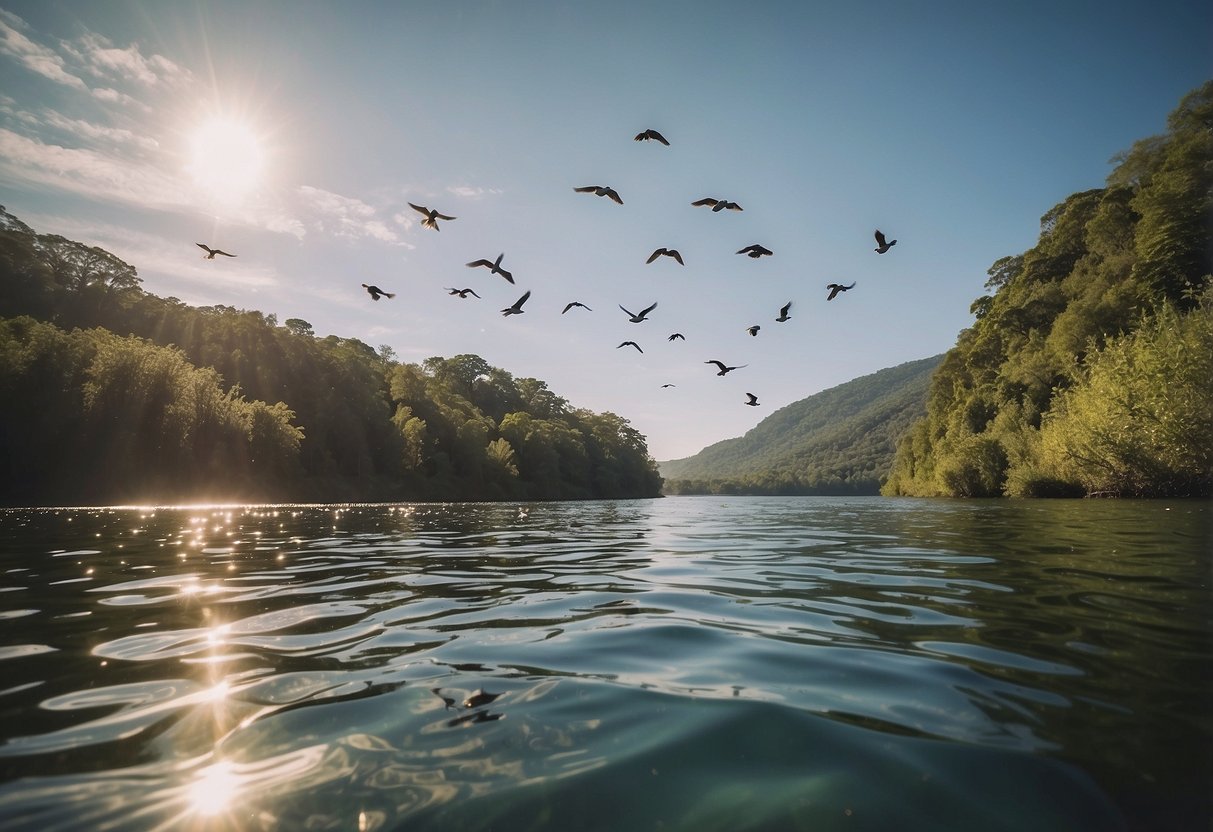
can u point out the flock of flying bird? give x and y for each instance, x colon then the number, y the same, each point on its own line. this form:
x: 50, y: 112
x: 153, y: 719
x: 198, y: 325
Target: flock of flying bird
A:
x: 755, y: 251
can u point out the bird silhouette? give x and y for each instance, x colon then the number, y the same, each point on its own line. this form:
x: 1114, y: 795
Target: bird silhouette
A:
x: 723, y: 369
x: 631, y: 344
x: 463, y: 293
x: 881, y: 245
x: 634, y: 318
x: 516, y: 309
x: 753, y: 330
x: 718, y: 204
x: 753, y: 402
x: 677, y: 336
x: 835, y: 288
x: 666, y: 252
x: 755, y: 251
x: 569, y: 306
x: 211, y: 252
x: 600, y: 190
x: 494, y: 267
x: 651, y: 134
x: 375, y: 292
x: 431, y: 216
x: 664, y: 386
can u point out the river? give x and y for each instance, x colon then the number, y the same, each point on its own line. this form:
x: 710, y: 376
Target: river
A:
x: 688, y: 663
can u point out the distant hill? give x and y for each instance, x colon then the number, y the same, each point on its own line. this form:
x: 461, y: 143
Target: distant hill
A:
x: 839, y: 441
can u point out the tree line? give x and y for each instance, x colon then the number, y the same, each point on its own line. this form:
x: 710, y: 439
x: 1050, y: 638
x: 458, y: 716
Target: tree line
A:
x: 1089, y: 367
x: 110, y: 393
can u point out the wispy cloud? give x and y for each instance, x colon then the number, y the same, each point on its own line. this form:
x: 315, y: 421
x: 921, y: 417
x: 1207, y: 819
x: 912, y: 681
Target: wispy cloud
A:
x: 344, y: 216
x: 113, y: 96
x: 105, y: 60
x: 97, y: 132
x: 40, y: 59
x: 469, y: 192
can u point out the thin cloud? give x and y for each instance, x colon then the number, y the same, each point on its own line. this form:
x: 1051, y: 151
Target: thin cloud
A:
x: 33, y: 56
x: 344, y: 216
x: 470, y: 192
x: 97, y: 132
x: 105, y: 60
x: 113, y: 96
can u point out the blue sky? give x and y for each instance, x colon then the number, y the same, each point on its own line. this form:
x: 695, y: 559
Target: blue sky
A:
x: 951, y: 126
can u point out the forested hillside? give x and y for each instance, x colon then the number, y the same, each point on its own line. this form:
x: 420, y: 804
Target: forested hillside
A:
x: 839, y: 441
x: 1089, y: 368
x: 109, y: 393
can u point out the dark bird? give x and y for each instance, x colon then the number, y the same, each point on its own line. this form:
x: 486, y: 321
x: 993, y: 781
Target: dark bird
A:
x: 664, y: 386
x: 211, y: 252
x: 463, y: 293
x: 651, y: 134
x: 494, y: 267
x: 835, y: 288
x: 431, y: 216
x: 783, y: 312
x: 375, y: 292
x: 753, y: 402
x: 569, y: 306
x: 677, y: 336
x: 723, y: 369
x: 753, y: 330
x: 755, y: 251
x: 667, y: 252
x: 631, y: 344
x: 600, y: 190
x: 516, y: 309
x: 634, y: 318
x: 881, y: 245
x: 478, y: 698
x: 718, y: 204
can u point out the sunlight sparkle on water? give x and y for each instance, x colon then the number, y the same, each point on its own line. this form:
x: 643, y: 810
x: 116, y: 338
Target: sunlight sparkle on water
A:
x: 214, y: 789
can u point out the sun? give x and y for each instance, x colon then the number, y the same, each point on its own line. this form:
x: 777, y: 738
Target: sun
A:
x: 226, y: 158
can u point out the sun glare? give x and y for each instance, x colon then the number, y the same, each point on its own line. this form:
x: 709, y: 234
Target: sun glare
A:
x: 225, y: 158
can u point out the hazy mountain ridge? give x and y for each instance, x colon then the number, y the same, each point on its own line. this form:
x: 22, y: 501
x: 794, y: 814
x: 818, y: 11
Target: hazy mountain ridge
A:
x: 840, y: 440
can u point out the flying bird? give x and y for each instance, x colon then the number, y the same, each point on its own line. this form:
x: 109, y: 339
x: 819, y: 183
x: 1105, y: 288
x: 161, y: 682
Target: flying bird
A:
x: 755, y: 251
x: 516, y: 309
x: 375, y: 292
x: 881, y: 245
x: 753, y: 402
x: 753, y: 330
x: 431, y: 216
x: 651, y: 134
x: 493, y: 267
x: 569, y: 306
x: 783, y: 312
x: 664, y: 386
x: 718, y: 204
x: 463, y: 293
x: 600, y: 190
x: 723, y: 369
x: 632, y: 344
x: 666, y: 252
x: 634, y: 318
x: 835, y: 288
x: 211, y: 252
x: 677, y: 336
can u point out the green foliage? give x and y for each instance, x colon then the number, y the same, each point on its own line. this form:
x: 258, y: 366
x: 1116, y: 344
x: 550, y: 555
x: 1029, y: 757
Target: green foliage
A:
x: 1119, y: 431
x: 839, y: 441
x: 181, y: 409
x: 1021, y: 385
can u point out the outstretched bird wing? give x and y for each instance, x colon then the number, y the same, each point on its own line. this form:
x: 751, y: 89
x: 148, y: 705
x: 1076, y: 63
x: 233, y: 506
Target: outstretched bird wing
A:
x: 720, y: 364
x: 707, y: 200
x: 655, y: 255
x: 480, y: 262
x: 588, y: 189
x: 624, y: 308
x: 880, y: 238
x: 644, y: 312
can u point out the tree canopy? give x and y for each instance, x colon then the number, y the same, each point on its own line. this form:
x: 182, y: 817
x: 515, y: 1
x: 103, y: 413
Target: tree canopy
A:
x: 108, y: 393
x: 1087, y: 370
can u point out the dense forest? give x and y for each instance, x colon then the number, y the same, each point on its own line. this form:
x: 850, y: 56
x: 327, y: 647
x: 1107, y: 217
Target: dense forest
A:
x: 109, y: 393
x: 1089, y: 368
x: 839, y: 441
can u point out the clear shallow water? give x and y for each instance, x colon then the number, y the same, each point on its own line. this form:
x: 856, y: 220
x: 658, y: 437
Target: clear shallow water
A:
x: 688, y: 663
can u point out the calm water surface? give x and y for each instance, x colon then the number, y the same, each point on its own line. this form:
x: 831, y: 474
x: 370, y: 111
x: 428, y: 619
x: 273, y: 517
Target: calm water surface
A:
x: 697, y: 663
